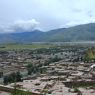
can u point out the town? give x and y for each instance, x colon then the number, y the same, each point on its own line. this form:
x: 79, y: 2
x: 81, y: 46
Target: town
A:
x: 55, y: 70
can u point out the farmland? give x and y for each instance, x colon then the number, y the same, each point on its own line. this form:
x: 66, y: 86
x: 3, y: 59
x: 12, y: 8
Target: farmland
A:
x: 6, y: 47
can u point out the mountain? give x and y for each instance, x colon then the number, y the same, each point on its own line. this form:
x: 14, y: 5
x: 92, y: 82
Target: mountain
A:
x: 21, y: 37
x: 84, y: 32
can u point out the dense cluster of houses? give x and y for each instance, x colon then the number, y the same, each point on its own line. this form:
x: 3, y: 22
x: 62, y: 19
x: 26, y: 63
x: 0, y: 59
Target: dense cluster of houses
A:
x: 60, y: 78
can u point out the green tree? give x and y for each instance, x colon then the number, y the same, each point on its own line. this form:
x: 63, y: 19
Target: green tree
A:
x: 13, y: 77
x: 5, y: 80
x: 18, y: 76
x: 1, y: 74
x: 30, y: 68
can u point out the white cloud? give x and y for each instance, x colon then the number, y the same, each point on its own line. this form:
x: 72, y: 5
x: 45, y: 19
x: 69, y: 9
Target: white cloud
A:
x: 21, y: 25
x: 26, y: 25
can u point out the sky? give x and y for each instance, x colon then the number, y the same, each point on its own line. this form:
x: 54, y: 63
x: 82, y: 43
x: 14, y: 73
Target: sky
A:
x: 44, y: 14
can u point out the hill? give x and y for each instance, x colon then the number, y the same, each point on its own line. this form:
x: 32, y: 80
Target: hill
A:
x: 84, y: 32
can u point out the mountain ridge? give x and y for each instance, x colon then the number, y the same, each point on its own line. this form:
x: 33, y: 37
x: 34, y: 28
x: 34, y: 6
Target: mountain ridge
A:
x: 85, y: 32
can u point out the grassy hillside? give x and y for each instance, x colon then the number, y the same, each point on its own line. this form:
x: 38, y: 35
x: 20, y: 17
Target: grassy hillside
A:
x: 84, y: 32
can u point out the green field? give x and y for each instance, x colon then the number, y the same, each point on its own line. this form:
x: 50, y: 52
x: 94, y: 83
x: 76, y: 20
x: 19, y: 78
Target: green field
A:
x: 23, y: 46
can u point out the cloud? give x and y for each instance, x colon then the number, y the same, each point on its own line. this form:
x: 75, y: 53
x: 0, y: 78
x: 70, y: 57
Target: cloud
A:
x: 26, y: 25
x: 50, y: 13
x: 21, y: 26
x: 79, y: 22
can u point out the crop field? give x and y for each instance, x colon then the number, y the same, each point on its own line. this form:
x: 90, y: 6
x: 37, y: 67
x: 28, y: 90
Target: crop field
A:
x: 23, y: 46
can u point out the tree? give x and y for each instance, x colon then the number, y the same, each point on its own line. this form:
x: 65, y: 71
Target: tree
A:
x: 5, y: 80
x: 29, y: 68
x: 13, y: 77
x: 18, y: 76
x: 1, y: 74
